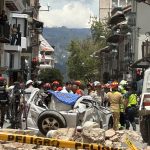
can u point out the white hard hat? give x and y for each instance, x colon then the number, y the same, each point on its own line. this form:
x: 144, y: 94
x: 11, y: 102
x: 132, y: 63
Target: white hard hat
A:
x: 29, y: 81
x: 123, y: 82
x: 97, y: 83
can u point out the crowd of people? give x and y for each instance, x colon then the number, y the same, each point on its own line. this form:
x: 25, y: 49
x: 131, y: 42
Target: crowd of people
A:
x: 120, y: 97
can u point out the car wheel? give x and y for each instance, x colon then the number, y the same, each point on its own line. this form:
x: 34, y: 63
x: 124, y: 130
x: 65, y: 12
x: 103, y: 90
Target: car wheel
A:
x: 144, y: 128
x: 110, y: 123
x: 50, y: 120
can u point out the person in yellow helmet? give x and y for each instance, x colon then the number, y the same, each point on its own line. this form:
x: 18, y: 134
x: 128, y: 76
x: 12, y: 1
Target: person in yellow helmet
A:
x: 115, y: 99
x: 131, y: 103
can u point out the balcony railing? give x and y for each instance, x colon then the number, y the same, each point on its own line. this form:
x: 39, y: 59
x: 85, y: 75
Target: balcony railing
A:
x: 146, y: 49
x: 45, y: 66
x: 12, y: 48
x: 16, y: 47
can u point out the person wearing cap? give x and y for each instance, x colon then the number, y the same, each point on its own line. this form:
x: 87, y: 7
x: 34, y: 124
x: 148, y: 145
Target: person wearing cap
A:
x: 29, y: 89
x: 76, y: 88
x: 90, y: 88
x: 122, y: 86
x: 98, y: 93
x: 46, y: 86
x: 122, y: 89
x: 55, y: 86
x: 115, y: 98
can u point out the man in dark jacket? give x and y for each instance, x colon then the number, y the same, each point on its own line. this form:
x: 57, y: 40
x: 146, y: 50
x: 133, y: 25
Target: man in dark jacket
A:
x: 3, y: 100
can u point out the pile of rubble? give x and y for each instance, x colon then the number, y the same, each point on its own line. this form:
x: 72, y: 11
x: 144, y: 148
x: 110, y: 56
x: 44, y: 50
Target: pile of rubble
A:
x: 89, y: 133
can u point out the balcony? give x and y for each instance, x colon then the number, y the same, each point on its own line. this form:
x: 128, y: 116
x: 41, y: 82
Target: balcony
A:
x: 17, y: 47
x: 117, y: 18
x: 46, y: 59
x: 45, y: 66
x: 12, y: 48
x: 146, y: 49
x: 15, y: 5
x: 144, y: 62
x: 4, y: 32
x: 115, y: 38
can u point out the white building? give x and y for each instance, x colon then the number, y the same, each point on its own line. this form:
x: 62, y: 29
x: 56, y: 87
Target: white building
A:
x: 141, y: 39
x: 19, y: 42
x: 46, y: 52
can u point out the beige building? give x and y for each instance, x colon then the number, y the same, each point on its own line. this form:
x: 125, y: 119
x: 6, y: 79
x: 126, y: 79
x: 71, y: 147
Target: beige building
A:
x: 105, y: 7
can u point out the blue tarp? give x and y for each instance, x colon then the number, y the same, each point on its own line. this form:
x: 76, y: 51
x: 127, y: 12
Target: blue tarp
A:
x: 66, y: 98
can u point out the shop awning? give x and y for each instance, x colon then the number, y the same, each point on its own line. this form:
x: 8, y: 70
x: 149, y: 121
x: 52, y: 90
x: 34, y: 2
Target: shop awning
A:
x: 45, y: 46
x: 117, y: 38
x: 141, y: 63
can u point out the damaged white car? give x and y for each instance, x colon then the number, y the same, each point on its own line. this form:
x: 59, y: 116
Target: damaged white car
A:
x: 64, y: 110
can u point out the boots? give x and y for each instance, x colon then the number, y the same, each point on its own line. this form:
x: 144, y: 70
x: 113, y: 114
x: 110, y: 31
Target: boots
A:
x: 127, y: 124
x: 134, y: 126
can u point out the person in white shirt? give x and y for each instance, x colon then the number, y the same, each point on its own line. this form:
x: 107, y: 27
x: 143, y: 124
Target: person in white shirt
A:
x: 99, y: 93
x: 67, y: 88
x: 29, y: 89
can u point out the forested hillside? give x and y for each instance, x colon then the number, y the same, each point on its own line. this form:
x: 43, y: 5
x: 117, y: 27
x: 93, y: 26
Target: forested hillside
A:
x: 60, y: 38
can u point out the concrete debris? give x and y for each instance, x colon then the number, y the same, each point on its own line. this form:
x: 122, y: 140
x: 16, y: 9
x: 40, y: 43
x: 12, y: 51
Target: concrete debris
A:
x: 109, y: 143
x: 109, y: 133
x: 90, y: 124
x: 90, y: 133
x: 93, y: 135
x: 65, y: 134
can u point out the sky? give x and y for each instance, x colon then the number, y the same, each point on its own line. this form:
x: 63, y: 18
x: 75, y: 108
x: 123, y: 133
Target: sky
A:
x: 69, y: 13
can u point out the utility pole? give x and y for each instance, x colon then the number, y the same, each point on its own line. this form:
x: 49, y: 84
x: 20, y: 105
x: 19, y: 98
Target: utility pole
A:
x: 99, y: 9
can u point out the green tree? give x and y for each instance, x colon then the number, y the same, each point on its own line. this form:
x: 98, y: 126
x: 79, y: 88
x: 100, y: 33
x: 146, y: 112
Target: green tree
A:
x: 100, y: 32
x: 82, y: 64
x: 49, y: 75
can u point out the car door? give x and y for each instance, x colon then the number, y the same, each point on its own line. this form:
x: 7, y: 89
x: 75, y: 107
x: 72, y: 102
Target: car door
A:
x: 33, y: 110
